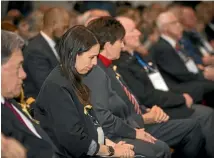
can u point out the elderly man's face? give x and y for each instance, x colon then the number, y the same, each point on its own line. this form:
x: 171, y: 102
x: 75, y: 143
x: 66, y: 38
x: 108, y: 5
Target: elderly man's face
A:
x: 173, y: 27
x: 12, y: 75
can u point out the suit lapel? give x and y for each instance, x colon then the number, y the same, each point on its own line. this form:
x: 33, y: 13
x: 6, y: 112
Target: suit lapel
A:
x: 20, y: 109
x: 18, y: 106
x: 48, y: 50
x: 115, y: 85
x: 172, y: 51
x: 17, y: 123
x: 40, y: 131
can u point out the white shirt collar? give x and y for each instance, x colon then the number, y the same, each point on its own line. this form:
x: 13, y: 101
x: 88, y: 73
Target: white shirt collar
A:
x: 2, y: 100
x: 171, y: 41
x: 25, y: 119
x: 51, y: 43
x: 48, y: 39
x: 211, y: 26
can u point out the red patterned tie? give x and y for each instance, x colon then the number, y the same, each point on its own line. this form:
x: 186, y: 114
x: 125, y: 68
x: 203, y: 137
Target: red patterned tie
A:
x: 178, y: 47
x: 128, y: 93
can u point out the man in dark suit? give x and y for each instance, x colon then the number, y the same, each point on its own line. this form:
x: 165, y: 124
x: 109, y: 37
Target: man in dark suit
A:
x: 176, y: 67
x: 196, y: 45
x: 15, y: 123
x: 140, y: 74
x: 188, y: 19
x: 117, y: 108
x: 40, y: 54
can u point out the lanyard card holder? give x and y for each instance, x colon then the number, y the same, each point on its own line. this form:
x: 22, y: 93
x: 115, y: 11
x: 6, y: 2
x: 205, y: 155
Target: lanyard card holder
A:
x: 191, y: 66
x: 189, y: 63
x: 153, y: 74
x: 158, y: 81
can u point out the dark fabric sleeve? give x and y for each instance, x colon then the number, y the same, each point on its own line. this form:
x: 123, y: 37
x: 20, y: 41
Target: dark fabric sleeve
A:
x: 36, y: 148
x: 171, y: 64
x: 38, y: 67
x: 100, y: 97
x: 69, y: 129
x: 147, y: 95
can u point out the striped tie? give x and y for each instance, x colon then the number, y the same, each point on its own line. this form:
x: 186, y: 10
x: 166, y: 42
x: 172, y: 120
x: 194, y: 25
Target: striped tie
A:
x: 131, y: 97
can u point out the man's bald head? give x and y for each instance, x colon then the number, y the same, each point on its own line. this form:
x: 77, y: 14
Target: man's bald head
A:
x: 188, y: 18
x: 126, y: 22
x: 56, y: 22
x: 169, y: 25
x: 163, y: 19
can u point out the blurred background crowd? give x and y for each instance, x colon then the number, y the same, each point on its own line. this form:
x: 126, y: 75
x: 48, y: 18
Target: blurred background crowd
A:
x: 42, y: 27
x: 26, y: 17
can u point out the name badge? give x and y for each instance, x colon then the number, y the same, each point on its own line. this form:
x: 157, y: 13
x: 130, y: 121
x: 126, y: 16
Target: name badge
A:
x: 190, y: 65
x: 158, y: 81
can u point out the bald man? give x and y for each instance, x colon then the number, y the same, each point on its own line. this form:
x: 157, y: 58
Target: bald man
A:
x: 40, y: 54
x: 177, y: 68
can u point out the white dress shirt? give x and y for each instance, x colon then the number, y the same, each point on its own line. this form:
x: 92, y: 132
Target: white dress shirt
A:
x: 24, y: 118
x: 51, y: 43
x: 170, y: 40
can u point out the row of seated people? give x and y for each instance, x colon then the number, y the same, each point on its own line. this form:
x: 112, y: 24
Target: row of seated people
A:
x: 79, y: 103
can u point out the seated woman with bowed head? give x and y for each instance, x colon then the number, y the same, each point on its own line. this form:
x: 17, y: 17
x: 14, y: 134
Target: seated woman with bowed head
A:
x: 63, y: 104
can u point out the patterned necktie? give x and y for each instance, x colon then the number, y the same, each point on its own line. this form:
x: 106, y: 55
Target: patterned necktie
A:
x: 181, y: 53
x: 128, y: 93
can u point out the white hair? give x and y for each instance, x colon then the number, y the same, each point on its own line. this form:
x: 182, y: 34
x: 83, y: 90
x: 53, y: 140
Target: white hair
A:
x: 9, y: 42
x: 162, y: 19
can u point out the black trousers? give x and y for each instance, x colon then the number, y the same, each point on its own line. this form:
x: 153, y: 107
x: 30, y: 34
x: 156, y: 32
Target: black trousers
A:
x: 184, y: 135
x: 209, y: 93
x: 205, y: 116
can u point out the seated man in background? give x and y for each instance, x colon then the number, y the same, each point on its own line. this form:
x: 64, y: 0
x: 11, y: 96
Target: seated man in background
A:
x: 15, y: 123
x: 174, y: 65
x: 118, y: 110
x: 189, y: 21
x: 31, y: 25
x: 150, y: 88
x: 196, y: 45
x: 40, y: 54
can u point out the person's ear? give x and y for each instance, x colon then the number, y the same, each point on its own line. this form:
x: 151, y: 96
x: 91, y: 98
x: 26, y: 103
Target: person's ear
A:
x: 107, y: 46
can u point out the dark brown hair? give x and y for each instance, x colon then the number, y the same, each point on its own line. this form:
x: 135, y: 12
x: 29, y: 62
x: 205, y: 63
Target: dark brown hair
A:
x: 107, y: 29
x: 75, y: 41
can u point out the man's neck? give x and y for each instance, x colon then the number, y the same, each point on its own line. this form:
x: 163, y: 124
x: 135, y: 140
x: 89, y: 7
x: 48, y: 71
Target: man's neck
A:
x: 105, y: 54
x: 169, y: 39
x: 169, y: 36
